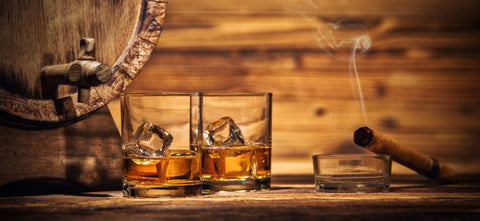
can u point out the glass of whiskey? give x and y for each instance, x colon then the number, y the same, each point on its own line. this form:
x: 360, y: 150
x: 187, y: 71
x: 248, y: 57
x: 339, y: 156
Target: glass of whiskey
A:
x: 236, y: 148
x: 161, y: 135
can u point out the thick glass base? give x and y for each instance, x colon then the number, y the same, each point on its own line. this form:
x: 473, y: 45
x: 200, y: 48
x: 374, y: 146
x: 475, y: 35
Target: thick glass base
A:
x: 236, y: 185
x: 352, y: 185
x: 143, y: 191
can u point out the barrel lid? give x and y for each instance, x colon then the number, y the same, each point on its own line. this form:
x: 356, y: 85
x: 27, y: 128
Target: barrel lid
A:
x: 36, y: 34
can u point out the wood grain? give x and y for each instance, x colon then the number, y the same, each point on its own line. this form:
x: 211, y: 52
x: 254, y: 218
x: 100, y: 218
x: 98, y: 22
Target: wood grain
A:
x: 426, y: 8
x: 420, y: 80
x: 75, y: 153
x: 292, y: 197
x: 48, y: 33
x: 419, y: 77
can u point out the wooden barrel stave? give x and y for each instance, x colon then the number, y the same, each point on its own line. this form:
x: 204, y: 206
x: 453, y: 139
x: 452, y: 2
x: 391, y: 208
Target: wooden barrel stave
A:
x: 22, y: 105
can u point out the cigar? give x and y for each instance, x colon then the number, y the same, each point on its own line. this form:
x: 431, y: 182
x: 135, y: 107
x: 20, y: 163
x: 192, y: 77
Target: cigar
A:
x: 403, y: 154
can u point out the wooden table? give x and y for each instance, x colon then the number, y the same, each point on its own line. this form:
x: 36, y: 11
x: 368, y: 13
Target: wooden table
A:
x: 291, y: 197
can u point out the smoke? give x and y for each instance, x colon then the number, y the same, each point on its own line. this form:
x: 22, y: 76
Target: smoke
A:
x: 336, y: 39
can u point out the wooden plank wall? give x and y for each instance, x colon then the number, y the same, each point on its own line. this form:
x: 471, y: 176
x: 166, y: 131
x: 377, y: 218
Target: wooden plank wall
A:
x: 420, y: 77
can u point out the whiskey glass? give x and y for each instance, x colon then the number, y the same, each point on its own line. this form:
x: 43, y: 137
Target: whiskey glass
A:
x: 160, y: 144
x: 237, y: 147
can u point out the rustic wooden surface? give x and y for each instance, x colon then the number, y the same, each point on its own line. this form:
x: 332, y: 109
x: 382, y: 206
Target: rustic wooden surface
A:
x: 42, y: 33
x: 419, y: 78
x: 292, y: 198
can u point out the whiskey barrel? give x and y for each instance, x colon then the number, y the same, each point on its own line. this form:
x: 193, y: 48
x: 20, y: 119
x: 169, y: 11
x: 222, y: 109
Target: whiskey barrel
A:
x: 61, y: 60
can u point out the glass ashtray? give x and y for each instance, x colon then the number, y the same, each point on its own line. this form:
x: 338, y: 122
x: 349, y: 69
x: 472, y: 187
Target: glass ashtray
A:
x: 352, y: 173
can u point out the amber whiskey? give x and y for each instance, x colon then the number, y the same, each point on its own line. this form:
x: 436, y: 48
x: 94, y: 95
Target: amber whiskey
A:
x: 236, y: 163
x: 165, y: 171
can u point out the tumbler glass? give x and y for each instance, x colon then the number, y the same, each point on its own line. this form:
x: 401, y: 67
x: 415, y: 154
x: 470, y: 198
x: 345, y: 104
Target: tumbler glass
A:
x: 237, y: 146
x: 160, y: 144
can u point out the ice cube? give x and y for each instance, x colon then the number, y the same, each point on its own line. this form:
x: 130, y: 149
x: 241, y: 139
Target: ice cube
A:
x: 181, y: 153
x: 255, y: 144
x: 151, y: 140
x: 223, y: 132
x: 138, y: 155
x: 132, y: 149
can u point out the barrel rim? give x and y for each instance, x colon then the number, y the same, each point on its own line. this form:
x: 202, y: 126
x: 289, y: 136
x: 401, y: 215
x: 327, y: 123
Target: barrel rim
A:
x: 144, y: 38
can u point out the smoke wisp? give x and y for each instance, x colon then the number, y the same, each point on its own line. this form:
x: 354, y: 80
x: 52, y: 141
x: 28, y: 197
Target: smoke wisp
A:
x: 336, y: 38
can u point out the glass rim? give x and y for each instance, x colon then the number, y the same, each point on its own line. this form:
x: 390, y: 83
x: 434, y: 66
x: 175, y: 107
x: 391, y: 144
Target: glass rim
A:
x: 351, y: 155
